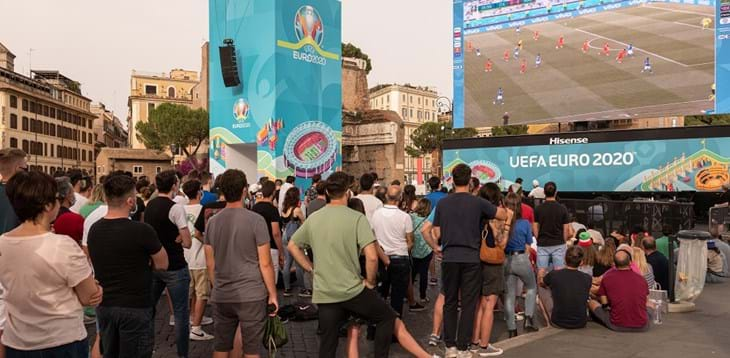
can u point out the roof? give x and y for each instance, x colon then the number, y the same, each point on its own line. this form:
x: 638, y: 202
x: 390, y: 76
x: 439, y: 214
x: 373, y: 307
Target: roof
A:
x: 135, y: 154
x: 4, y: 49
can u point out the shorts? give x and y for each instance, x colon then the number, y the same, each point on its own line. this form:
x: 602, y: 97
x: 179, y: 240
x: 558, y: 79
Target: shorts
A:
x: 546, y: 253
x: 252, y: 318
x: 199, y: 284
x: 603, y: 317
x: 492, y: 280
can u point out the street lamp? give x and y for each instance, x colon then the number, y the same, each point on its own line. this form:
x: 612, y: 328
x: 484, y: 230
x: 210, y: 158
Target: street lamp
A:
x: 444, y: 104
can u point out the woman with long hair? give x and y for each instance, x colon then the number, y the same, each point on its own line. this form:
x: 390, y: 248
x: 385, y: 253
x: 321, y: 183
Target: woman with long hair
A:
x: 585, y: 241
x: 421, y: 252
x: 604, y: 258
x: 292, y: 218
x: 638, y: 257
x: 518, y: 266
x: 408, y: 201
x: 492, y: 274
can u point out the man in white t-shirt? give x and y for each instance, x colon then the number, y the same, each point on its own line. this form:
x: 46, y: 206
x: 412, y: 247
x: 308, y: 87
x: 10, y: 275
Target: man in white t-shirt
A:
x: 369, y: 200
x: 394, y: 232
x: 537, y: 192
x: 282, y: 192
x: 195, y: 257
x: 77, y: 180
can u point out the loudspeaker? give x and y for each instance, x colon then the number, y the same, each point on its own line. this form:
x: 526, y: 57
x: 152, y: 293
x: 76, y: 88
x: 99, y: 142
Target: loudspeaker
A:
x: 229, y: 65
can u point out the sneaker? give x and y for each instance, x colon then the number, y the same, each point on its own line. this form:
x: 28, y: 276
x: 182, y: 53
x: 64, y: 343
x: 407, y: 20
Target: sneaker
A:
x: 172, y: 320
x: 425, y: 300
x: 305, y: 293
x: 530, y: 324
x: 490, y: 351
x: 287, y: 292
x: 464, y: 354
x: 433, y: 282
x: 416, y: 308
x: 203, y: 322
x: 474, y: 347
x: 434, y: 340
x: 198, y: 334
x: 451, y: 353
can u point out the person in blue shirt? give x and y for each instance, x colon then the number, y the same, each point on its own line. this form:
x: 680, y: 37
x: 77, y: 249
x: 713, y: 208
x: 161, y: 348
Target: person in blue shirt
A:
x: 647, y: 66
x: 208, y: 197
x: 436, y: 194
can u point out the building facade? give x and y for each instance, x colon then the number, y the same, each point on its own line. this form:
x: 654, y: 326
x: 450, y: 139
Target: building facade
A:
x: 47, y: 116
x: 416, y: 105
x: 139, y: 162
x: 149, y: 90
x: 108, y: 129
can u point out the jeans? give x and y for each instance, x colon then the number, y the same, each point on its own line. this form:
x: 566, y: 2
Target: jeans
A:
x: 78, y: 349
x: 275, y: 263
x: 464, y: 278
x: 286, y: 271
x: 546, y: 253
x: 420, y: 269
x: 519, y: 267
x: 396, y: 280
x: 125, y: 332
x: 178, y: 287
x: 366, y: 305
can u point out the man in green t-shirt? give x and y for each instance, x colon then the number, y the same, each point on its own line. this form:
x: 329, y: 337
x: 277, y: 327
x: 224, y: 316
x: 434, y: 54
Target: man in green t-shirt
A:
x: 337, y: 236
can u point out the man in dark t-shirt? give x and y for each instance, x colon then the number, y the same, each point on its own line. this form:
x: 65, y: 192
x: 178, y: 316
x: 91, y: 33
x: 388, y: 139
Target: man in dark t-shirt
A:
x: 658, y: 262
x: 626, y: 293
x: 266, y: 208
x: 320, y: 200
x: 120, y: 250
x: 570, y: 289
x: 552, y: 229
x: 457, y: 221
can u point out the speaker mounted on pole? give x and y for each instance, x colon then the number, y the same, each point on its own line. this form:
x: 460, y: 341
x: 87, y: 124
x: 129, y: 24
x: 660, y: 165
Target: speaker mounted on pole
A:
x: 229, y: 64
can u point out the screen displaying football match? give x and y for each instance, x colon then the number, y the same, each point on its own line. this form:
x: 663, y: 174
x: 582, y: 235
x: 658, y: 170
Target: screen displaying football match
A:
x: 540, y: 61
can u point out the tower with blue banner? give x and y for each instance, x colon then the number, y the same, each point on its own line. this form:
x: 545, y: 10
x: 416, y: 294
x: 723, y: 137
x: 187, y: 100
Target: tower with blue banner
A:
x: 284, y: 118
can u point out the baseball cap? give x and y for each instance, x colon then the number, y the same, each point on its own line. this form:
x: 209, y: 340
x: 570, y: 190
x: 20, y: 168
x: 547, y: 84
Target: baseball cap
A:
x: 535, y: 183
x: 585, y: 239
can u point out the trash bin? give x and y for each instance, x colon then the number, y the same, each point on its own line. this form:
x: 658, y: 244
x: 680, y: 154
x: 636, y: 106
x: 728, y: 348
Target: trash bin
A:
x: 691, y: 264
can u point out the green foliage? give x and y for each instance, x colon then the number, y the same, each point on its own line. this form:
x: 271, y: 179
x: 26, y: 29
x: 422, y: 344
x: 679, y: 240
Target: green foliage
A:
x: 429, y: 137
x: 720, y: 119
x: 350, y: 50
x: 174, y: 124
x: 509, y: 130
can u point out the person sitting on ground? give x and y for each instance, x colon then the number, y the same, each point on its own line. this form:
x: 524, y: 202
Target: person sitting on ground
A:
x: 569, y: 288
x: 589, y: 258
x: 639, y: 258
x: 659, y: 263
x: 626, y: 293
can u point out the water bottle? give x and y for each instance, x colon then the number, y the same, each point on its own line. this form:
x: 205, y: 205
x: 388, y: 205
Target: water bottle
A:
x: 657, y: 312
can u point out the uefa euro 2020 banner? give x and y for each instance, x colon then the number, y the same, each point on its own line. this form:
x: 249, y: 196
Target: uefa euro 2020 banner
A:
x: 696, y: 164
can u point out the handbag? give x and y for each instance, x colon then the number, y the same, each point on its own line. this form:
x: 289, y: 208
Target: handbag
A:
x: 275, y: 335
x: 493, y: 255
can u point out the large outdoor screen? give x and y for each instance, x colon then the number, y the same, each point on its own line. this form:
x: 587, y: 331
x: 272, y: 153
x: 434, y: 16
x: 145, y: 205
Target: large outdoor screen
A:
x: 538, y: 61
x: 660, y: 160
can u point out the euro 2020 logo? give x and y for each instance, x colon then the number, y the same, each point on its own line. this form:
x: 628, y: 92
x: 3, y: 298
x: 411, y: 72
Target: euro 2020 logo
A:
x: 240, y: 110
x: 309, y: 31
x: 308, y: 23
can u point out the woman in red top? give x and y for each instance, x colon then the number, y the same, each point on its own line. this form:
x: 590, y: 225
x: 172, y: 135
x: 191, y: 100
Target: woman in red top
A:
x: 67, y: 222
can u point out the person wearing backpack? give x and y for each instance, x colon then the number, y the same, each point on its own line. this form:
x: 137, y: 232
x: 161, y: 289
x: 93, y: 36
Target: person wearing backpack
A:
x: 293, y: 218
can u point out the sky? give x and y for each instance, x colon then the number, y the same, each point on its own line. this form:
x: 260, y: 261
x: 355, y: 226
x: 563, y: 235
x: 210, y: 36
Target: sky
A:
x: 100, y: 42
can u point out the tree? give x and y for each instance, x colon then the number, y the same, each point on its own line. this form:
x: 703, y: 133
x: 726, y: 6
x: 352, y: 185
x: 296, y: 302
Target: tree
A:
x: 721, y: 119
x: 350, y: 50
x: 509, y: 130
x: 174, y: 125
x: 429, y: 137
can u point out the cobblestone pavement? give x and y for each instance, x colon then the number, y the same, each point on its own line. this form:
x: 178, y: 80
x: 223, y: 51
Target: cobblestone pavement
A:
x: 303, y: 339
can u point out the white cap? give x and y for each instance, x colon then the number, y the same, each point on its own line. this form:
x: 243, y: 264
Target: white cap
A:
x: 535, y: 183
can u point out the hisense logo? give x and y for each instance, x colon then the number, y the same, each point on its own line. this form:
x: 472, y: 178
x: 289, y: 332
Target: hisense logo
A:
x: 556, y: 140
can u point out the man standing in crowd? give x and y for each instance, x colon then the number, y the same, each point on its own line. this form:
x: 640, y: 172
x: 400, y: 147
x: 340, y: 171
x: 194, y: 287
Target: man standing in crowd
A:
x: 208, y: 197
x: 170, y: 222
x: 68, y: 223
x: 12, y: 160
x: 339, y: 235
x: 436, y: 194
x: 320, y: 201
x: 195, y: 257
x: 77, y: 181
x: 537, y: 192
x: 282, y: 192
x: 311, y: 193
x: 552, y: 229
x: 394, y: 231
x: 369, y: 200
x: 458, y: 221
x: 238, y: 255
x: 626, y: 293
x: 265, y: 207
x: 121, y: 251
x: 658, y: 262
x: 570, y: 290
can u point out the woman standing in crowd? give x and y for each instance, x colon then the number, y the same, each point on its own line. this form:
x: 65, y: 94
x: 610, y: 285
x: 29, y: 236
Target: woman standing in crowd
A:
x: 37, y: 260
x: 96, y: 200
x: 292, y: 219
x: 421, y: 252
x: 409, y: 201
x: 518, y: 266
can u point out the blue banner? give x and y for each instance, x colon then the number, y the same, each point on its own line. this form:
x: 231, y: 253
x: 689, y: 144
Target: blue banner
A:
x: 695, y: 164
x: 722, y: 57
